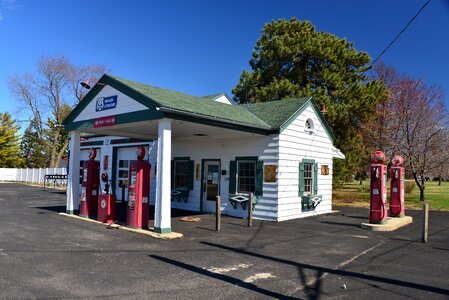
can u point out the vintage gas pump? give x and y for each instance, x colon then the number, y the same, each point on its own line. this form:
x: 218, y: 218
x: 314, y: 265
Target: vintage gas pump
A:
x: 90, y: 186
x: 138, y: 191
x: 106, y: 203
x: 397, y: 175
x: 378, y: 189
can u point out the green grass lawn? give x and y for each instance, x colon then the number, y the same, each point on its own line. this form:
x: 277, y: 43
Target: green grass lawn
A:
x: 354, y: 194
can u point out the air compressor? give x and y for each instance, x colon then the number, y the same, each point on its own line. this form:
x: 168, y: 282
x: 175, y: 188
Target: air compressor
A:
x: 106, y: 203
x: 378, y: 189
x: 138, y: 191
x: 397, y: 175
x: 90, y: 186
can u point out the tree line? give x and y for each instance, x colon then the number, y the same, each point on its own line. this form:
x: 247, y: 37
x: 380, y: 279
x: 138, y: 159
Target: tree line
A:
x: 368, y: 108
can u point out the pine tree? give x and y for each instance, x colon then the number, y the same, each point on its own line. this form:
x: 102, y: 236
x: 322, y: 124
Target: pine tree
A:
x: 292, y: 59
x: 9, y: 142
x: 33, y: 147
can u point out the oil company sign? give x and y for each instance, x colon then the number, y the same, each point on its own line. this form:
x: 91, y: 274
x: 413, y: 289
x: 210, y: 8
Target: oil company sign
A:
x: 104, y: 103
x: 105, y: 121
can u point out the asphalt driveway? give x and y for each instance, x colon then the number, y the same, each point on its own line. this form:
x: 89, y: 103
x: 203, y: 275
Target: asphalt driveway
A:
x: 46, y: 255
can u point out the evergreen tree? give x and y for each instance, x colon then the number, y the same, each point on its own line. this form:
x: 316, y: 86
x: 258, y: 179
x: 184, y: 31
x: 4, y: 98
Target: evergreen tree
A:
x: 9, y: 142
x: 292, y: 59
x: 33, y: 147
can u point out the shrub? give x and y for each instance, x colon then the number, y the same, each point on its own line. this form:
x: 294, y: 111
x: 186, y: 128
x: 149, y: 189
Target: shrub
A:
x: 409, y: 186
x: 363, y: 189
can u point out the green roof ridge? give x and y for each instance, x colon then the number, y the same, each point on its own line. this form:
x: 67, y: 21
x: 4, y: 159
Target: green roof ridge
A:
x: 193, y: 104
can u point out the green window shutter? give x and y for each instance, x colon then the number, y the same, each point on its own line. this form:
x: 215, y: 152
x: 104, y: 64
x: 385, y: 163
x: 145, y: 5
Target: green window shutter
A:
x: 172, y: 174
x: 232, y: 177
x: 301, y: 179
x: 315, y: 179
x: 191, y: 168
x: 258, y: 191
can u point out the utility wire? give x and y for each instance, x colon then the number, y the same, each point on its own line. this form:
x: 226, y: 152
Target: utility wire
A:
x: 399, y: 34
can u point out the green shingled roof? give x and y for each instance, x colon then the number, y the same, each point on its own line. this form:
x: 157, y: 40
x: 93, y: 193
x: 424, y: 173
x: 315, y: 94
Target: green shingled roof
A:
x: 276, y: 113
x: 188, y: 103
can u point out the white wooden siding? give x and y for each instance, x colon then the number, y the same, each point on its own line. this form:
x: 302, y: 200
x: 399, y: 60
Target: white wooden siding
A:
x: 295, y: 144
x: 199, y: 148
x: 124, y: 105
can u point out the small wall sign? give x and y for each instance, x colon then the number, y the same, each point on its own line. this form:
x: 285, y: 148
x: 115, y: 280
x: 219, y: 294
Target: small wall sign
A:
x: 104, y: 103
x: 324, y: 170
x: 269, y: 173
x: 104, y: 121
x: 197, y: 172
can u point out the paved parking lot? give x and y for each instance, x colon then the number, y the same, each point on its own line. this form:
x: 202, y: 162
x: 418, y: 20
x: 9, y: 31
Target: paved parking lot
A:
x: 45, y: 255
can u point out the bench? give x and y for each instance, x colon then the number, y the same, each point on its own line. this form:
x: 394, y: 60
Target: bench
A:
x: 55, y: 178
x: 179, y: 194
x: 242, y: 199
x: 311, y: 202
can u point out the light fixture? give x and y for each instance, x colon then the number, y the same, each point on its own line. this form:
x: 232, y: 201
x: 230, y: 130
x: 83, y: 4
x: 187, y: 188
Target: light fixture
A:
x: 86, y: 84
x: 323, y: 111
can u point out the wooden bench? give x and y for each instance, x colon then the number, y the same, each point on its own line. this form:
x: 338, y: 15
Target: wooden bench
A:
x: 179, y: 194
x: 311, y: 202
x: 242, y: 199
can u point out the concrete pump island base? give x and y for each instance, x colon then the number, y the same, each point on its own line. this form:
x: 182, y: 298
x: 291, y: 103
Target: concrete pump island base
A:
x: 192, y: 150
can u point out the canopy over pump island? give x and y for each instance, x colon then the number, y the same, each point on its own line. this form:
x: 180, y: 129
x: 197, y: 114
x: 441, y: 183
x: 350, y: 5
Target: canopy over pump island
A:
x: 202, y: 147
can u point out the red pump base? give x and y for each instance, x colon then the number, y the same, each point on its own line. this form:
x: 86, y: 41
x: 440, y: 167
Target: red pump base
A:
x: 106, y: 208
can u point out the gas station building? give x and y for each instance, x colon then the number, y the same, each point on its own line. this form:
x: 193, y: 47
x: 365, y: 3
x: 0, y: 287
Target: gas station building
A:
x: 202, y: 147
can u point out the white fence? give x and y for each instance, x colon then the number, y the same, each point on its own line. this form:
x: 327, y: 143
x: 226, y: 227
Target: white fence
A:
x: 30, y: 175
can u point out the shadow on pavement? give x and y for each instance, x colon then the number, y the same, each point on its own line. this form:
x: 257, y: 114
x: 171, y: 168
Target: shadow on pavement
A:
x: 225, y: 278
x: 341, y: 224
x: 412, y: 285
x: 58, y: 208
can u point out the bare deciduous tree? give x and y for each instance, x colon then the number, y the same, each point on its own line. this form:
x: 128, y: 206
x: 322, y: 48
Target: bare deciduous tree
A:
x: 49, y: 94
x: 422, y: 126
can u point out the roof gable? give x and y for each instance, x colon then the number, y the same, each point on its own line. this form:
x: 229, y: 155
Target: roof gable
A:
x: 109, y: 101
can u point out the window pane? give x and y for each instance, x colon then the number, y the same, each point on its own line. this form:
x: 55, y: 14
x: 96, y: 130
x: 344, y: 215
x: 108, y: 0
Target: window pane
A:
x: 123, y: 183
x: 308, y: 178
x: 181, y: 173
x: 246, y: 176
x: 123, y: 173
x: 123, y: 163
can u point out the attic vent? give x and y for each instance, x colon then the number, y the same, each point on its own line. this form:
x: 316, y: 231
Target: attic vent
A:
x: 309, y: 126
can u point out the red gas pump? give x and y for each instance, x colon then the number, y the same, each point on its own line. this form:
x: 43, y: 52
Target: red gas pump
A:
x: 138, y: 191
x: 90, y: 186
x: 378, y: 189
x: 397, y: 175
x: 106, y: 203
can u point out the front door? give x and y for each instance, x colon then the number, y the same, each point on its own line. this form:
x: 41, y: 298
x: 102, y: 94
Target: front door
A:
x: 211, y: 184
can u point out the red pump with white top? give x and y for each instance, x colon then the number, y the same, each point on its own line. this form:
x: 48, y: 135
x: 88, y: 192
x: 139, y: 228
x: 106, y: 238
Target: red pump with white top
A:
x: 90, y: 186
x: 378, y: 189
x: 139, y: 192
x: 397, y: 175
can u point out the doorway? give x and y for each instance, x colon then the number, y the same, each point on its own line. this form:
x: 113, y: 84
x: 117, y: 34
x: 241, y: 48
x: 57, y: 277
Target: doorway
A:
x: 211, y: 184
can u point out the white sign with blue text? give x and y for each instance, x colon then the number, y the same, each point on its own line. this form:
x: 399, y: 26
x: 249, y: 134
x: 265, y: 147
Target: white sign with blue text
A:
x: 104, y: 103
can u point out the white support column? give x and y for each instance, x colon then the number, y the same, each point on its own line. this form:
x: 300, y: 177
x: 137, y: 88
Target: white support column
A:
x: 73, y: 200
x: 162, y: 211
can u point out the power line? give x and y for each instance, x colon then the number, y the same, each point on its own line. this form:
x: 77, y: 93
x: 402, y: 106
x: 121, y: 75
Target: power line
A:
x: 399, y: 34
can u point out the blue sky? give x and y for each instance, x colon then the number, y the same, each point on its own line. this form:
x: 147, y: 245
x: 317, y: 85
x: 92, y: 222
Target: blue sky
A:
x: 201, y: 47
